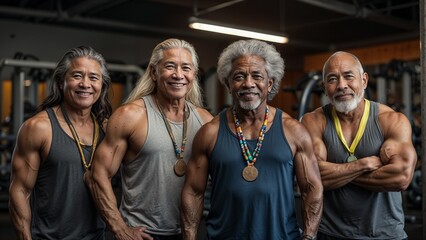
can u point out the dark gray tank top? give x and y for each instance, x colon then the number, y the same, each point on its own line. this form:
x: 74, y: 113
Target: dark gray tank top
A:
x: 352, y: 212
x: 62, y: 207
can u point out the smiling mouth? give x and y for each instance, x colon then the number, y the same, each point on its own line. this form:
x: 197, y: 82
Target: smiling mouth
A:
x: 242, y: 94
x: 84, y: 94
x: 177, y: 85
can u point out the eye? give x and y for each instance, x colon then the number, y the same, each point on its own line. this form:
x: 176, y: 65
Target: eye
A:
x: 331, y: 79
x: 94, y: 78
x: 257, y: 77
x: 238, y: 77
x: 186, y: 68
x: 77, y: 76
x: 349, y: 76
x: 169, y: 66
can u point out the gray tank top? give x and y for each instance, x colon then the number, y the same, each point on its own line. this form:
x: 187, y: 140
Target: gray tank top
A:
x: 62, y: 207
x: 151, y: 191
x: 352, y: 212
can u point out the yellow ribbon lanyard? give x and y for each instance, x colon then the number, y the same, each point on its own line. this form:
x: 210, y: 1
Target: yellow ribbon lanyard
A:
x: 359, y: 133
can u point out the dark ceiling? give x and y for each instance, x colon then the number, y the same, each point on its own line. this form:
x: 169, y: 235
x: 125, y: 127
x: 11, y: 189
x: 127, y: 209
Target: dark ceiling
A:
x: 313, y: 26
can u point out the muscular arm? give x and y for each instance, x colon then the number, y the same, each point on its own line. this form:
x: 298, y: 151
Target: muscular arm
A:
x: 307, y: 175
x: 196, y: 179
x: 109, y: 155
x: 397, y: 154
x: 334, y: 175
x: 26, y: 160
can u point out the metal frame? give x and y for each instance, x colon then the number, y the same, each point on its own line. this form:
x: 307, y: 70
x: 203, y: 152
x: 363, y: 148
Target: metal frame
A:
x: 18, y: 83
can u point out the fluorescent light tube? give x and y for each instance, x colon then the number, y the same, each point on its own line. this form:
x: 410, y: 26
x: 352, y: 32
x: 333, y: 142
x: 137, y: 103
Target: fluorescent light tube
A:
x: 199, y: 24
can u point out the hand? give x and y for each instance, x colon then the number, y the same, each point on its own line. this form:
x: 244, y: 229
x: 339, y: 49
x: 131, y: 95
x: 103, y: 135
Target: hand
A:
x: 133, y: 233
x: 372, y: 163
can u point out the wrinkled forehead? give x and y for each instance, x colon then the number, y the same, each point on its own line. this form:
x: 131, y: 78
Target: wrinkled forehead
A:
x: 341, y: 62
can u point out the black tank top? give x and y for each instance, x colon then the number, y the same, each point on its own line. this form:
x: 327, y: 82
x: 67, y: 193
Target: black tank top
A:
x: 62, y: 207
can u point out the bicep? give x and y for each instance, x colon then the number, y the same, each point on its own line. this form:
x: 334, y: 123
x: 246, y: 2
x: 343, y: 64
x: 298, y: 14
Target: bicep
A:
x: 111, y: 150
x: 398, y: 146
x: 305, y: 161
x: 197, y: 170
x: 26, y: 158
x: 313, y: 127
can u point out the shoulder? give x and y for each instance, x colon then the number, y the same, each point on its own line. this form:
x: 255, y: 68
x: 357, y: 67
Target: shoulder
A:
x: 211, y: 127
x: 295, y: 132
x: 37, y: 129
x: 317, y: 116
x: 390, y: 120
x: 38, y: 123
x: 131, y: 109
x: 128, y: 114
x: 205, y: 115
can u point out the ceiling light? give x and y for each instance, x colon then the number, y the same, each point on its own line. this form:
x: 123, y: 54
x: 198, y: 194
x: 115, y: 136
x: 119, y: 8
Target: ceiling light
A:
x: 200, y: 24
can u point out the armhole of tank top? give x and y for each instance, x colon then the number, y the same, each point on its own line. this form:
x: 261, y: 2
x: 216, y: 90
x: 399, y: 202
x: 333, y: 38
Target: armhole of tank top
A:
x: 146, y: 102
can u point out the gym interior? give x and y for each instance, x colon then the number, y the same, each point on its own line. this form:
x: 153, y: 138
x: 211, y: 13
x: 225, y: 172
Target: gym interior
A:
x: 386, y: 35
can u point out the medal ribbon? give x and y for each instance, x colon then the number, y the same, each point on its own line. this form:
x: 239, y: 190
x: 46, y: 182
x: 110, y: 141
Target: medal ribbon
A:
x: 77, y: 139
x: 178, y: 151
x: 250, y: 159
x: 361, y: 128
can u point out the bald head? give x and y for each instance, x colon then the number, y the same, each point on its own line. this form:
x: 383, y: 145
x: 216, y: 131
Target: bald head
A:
x: 338, y: 57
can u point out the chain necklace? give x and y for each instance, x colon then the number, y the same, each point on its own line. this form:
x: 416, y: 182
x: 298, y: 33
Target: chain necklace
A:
x: 77, y: 139
x: 250, y: 172
x: 180, y: 165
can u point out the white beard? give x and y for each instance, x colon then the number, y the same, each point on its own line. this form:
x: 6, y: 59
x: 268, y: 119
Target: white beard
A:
x: 347, y: 106
x: 248, y: 106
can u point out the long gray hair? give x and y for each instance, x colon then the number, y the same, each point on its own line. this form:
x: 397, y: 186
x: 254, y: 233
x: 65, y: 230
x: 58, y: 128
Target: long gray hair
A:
x: 274, y: 62
x: 102, y: 107
x: 146, y: 85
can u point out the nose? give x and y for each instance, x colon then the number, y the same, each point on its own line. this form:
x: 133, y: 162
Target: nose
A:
x: 178, y: 73
x: 248, y: 81
x: 85, y: 82
x: 342, y: 84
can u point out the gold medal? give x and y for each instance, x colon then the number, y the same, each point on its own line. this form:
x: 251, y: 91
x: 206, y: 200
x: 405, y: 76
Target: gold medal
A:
x: 359, y: 133
x: 351, y: 158
x: 250, y: 173
x: 180, y: 168
x: 180, y: 165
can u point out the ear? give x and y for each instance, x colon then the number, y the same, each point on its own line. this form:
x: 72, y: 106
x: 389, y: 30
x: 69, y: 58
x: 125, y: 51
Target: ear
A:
x: 270, y: 84
x: 323, y: 88
x: 153, y: 72
x: 364, y: 80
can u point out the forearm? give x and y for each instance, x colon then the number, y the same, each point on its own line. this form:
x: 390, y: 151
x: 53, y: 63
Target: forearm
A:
x: 312, y: 205
x: 387, y: 178
x: 20, y: 214
x: 106, y: 201
x: 336, y: 175
x: 192, y: 211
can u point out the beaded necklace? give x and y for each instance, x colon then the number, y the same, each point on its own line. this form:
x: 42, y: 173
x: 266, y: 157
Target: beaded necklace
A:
x: 250, y: 172
x: 180, y: 165
x: 77, y: 139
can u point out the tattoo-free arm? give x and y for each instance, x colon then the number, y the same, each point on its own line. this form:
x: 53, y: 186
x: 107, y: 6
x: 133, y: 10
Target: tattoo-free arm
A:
x: 25, y: 165
x: 308, y: 178
x: 397, y: 154
x: 196, y: 181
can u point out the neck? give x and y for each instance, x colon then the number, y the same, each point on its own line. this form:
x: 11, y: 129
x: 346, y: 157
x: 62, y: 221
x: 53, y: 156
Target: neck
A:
x: 251, y: 116
x: 354, y: 115
x: 77, y: 117
x: 173, y: 109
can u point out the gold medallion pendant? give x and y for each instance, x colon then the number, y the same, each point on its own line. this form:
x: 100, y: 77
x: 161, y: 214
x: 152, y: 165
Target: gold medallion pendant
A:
x: 180, y: 168
x: 250, y: 173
